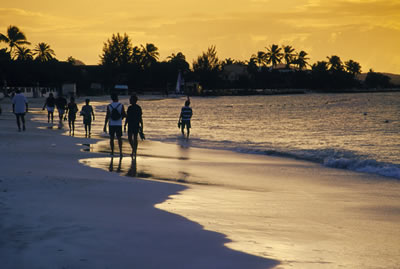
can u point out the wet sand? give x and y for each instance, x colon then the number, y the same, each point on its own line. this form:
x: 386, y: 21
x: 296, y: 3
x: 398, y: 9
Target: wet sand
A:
x: 300, y: 213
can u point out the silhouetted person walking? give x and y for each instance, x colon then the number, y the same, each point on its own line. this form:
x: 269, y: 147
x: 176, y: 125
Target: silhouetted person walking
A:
x: 87, y: 113
x: 49, y: 105
x: 71, y: 111
x: 185, y: 117
x: 20, y: 107
x: 61, y: 104
x: 114, y: 116
x: 135, y: 123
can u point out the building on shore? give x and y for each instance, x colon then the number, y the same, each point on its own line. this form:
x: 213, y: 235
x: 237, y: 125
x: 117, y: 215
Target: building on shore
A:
x: 30, y: 91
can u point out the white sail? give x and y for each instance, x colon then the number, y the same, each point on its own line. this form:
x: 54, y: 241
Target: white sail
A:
x: 178, y: 89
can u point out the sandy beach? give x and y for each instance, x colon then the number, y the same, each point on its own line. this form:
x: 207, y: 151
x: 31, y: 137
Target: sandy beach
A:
x: 58, y: 213
x: 65, y: 203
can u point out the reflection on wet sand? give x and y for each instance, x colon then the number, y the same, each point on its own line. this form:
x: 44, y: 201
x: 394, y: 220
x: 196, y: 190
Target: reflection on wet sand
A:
x: 132, y: 172
x: 141, y: 167
x: 50, y: 127
x: 63, y: 129
x: 103, y: 146
x: 146, y: 165
x: 111, y: 166
x: 155, y: 161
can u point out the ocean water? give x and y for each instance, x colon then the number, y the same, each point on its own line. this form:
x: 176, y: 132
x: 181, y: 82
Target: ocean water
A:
x: 359, y: 132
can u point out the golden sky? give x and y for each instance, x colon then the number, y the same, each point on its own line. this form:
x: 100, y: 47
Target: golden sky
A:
x: 366, y: 31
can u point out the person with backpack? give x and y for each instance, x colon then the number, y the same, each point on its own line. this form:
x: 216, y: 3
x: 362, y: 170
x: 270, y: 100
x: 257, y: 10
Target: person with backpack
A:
x: 114, y: 116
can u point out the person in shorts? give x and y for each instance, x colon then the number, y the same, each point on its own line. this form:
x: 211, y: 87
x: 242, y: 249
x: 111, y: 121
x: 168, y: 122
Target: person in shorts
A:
x: 185, y: 117
x: 61, y: 104
x: 71, y: 111
x: 20, y: 107
x: 49, y: 105
x: 114, y: 116
x: 87, y: 113
x: 135, y: 123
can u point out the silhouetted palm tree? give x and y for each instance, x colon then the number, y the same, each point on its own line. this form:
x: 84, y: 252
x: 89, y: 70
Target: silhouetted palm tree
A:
x: 259, y: 59
x: 228, y: 61
x: 150, y: 54
x: 23, y: 54
x: 288, y: 55
x: 4, y: 55
x: 175, y: 57
x: 178, y: 61
x: 252, y: 67
x: 335, y: 64
x: 43, y: 52
x: 137, y: 56
x: 14, y: 38
x: 353, y: 67
x: 320, y: 66
x: 301, y: 60
x: 274, y: 55
x: 240, y: 62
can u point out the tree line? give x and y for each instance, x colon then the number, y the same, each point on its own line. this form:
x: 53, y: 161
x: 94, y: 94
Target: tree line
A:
x: 140, y: 67
x: 16, y: 40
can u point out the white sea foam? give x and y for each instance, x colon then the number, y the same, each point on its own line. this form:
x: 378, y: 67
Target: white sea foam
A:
x: 333, y: 158
x: 366, y: 166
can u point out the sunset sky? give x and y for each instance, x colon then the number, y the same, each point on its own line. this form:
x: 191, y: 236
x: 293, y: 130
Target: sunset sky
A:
x: 367, y: 31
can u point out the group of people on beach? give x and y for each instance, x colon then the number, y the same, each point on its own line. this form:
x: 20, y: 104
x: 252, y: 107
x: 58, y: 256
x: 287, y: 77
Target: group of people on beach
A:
x: 114, y: 116
x: 68, y: 111
x: 116, y: 113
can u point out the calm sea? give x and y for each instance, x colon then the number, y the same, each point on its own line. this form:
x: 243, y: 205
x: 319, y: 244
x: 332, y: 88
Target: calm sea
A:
x: 359, y: 132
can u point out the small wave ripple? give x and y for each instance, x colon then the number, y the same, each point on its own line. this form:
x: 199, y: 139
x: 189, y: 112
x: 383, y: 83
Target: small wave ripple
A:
x: 366, y: 166
x: 334, y: 158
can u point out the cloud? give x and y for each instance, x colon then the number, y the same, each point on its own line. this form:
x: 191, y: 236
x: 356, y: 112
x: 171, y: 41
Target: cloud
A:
x: 376, y: 12
x: 14, y: 16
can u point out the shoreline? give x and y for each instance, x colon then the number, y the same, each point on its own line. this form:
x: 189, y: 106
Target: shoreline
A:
x: 311, y: 212
x: 243, y: 92
x: 290, y: 91
x: 83, y: 217
x: 277, y: 209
